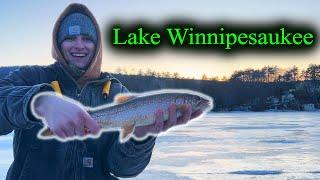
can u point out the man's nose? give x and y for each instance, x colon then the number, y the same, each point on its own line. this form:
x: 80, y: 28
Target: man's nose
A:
x: 79, y: 44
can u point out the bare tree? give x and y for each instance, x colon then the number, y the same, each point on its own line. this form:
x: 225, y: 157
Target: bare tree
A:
x: 204, y: 77
x: 312, y: 72
x: 176, y: 75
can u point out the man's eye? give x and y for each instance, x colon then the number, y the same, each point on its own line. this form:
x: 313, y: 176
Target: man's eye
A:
x: 70, y: 38
x: 86, y: 38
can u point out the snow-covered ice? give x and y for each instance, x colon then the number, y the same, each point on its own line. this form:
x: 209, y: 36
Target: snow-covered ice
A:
x: 277, y: 145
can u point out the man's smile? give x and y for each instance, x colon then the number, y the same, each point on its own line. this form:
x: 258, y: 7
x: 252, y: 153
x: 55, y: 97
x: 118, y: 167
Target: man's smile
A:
x: 79, y: 54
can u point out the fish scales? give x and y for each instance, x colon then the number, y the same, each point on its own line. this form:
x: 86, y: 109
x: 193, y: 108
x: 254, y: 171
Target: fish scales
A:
x: 139, y: 111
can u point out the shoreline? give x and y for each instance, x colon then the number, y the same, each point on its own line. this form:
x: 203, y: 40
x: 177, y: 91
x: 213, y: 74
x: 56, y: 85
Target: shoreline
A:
x: 266, y: 111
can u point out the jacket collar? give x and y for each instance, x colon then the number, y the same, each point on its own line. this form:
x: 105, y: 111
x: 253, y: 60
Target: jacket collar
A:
x: 67, y: 80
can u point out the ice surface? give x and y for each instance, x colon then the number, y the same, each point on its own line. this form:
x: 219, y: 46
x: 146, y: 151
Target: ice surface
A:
x: 277, y: 145
x: 256, y: 172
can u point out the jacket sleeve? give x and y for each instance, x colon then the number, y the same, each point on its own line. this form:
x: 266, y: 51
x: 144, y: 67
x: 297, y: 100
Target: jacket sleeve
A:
x: 16, y: 91
x: 131, y: 158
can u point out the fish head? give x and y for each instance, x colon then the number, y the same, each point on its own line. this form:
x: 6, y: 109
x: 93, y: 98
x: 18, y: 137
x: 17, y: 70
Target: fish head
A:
x: 197, y: 102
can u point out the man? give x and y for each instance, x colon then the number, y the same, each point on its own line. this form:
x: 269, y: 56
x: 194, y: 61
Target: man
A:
x: 77, y: 49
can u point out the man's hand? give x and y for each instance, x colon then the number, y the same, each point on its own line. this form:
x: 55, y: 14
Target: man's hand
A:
x: 161, y: 126
x: 64, y: 118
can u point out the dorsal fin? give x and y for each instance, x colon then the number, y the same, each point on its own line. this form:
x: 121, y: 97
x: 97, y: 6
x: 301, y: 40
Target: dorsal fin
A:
x: 122, y: 98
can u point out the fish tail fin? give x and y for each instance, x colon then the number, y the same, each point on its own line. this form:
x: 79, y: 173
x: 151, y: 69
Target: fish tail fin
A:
x: 126, y: 132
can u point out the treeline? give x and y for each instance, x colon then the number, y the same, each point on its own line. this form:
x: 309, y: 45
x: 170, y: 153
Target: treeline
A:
x: 256, y: 90
x: 228, y: 95
x: 245, y: 88
x: 274, y: 74
x: 265, y: 74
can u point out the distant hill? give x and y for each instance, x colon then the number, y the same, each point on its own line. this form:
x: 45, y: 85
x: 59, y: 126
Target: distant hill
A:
x: 5, y: 70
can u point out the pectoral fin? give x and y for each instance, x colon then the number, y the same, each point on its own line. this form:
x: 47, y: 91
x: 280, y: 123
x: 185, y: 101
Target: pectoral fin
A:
x: 126, y: 132
x: 46, y: 132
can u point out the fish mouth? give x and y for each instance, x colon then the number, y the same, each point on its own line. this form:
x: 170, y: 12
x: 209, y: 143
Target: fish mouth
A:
x: 203, y: 104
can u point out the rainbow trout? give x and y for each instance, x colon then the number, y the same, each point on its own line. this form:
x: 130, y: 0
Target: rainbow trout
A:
x: 133, y: 110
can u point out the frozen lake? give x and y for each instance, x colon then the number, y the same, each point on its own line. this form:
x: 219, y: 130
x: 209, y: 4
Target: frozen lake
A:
x: 284, y: 145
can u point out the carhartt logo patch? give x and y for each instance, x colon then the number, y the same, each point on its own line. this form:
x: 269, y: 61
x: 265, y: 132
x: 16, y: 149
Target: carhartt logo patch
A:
x: 88, y: 162
x: 74, y: 30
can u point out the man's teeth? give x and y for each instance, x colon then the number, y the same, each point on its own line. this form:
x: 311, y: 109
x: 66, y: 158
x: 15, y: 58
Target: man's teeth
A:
x: 79, y: 54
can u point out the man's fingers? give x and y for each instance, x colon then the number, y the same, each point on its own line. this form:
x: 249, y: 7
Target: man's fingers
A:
x: 92, y: 125
x: 172, y: 117
x: 196, y: 114
x: 158, y: 125
x: 154, y: 128
x: 60, y: 133
x: 79, y: 129
x: 186, y: 115
x: 68, y: 131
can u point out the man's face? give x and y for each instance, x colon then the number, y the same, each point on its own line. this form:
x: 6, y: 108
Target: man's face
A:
x: 79, y: 50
